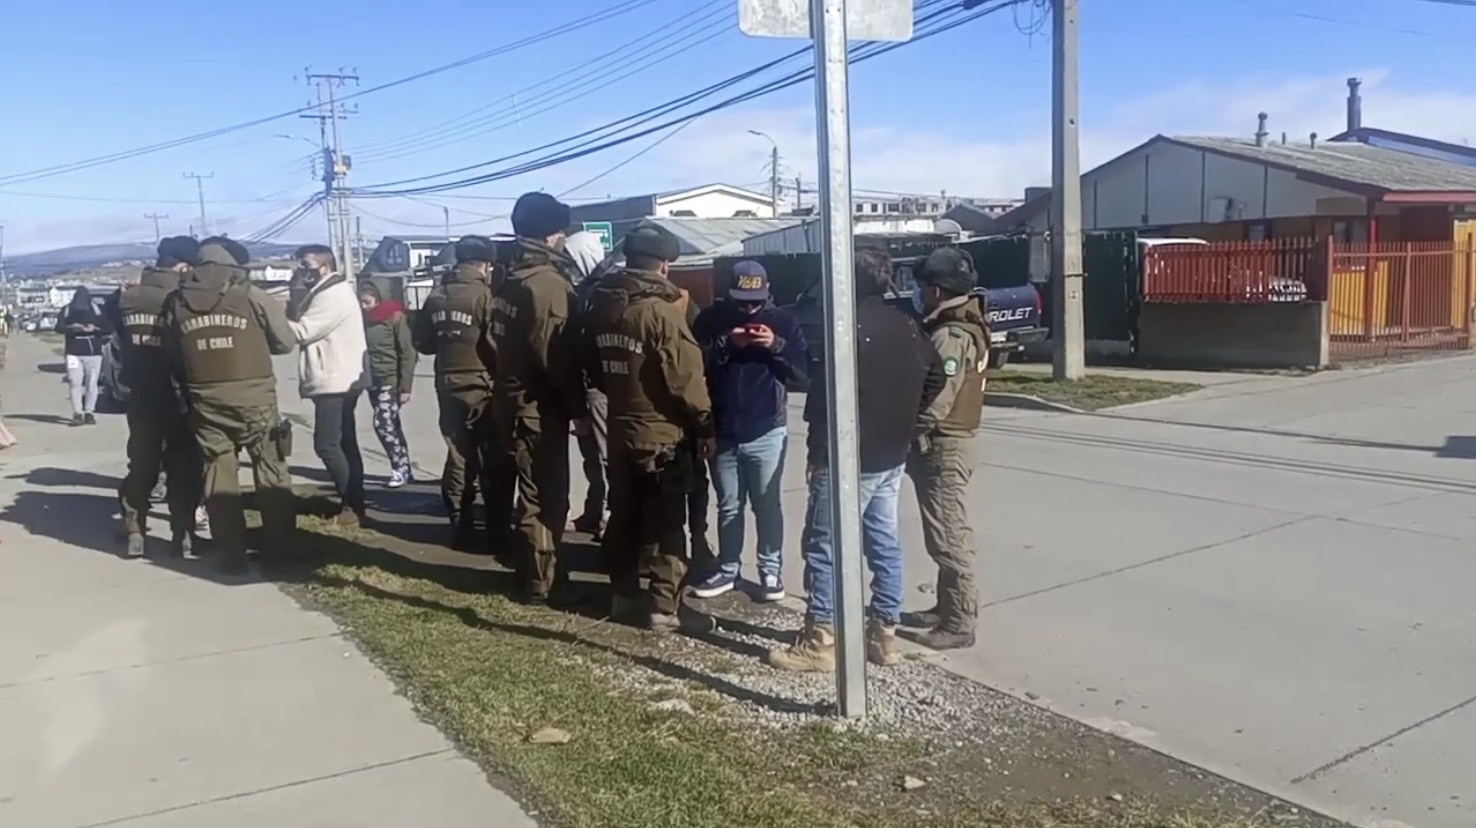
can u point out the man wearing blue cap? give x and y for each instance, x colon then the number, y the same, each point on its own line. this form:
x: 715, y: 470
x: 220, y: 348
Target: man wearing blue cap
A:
x: 752, y: 351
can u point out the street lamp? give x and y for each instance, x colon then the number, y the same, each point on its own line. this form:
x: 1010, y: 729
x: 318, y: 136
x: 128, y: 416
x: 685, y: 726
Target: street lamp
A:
x: 773, y: 168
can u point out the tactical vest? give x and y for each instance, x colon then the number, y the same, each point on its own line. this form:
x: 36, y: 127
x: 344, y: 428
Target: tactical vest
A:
x: 968, y: 406
x: 457, y: 311
x: 141, y: 309
x: 225, y: 343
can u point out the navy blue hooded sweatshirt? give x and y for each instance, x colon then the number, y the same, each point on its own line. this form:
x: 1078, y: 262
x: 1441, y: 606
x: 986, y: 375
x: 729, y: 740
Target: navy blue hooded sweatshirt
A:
x: 748, y: 385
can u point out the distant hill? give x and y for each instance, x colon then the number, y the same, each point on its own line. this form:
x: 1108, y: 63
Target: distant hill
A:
x: 92, y: 256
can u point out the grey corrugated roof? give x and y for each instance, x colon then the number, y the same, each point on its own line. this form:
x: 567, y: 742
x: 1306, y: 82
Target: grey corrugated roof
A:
x: 706, y: 236
x: 1385, y: 169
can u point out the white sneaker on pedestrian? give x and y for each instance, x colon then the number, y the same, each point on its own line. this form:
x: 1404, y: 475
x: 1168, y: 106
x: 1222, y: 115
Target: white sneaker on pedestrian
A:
x: 202, y: 521
x: 398, y: 479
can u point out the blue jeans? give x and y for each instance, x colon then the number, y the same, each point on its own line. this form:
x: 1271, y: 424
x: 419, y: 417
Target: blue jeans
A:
x: 750, y: 471
x: 882, y: 547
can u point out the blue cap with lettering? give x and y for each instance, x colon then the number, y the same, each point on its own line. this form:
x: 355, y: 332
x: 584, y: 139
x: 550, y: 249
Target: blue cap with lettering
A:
x: 750, y: 282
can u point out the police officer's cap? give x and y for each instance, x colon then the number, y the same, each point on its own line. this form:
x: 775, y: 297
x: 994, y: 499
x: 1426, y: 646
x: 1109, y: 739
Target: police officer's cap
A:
x: 224, y: 251
x: 951, y: 269
x: 651, y: 242
x: 174, y: 250
x: 476, y: 249
x: 539, y: 215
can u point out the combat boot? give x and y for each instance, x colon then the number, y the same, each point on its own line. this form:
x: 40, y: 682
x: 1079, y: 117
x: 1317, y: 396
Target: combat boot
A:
x: 135, y: 545
x: 625, y: 609
x: 949, y: 635
x: 684, y: 620
x: 881, y: 644
x: 925, y: 620
x: 812, y: 652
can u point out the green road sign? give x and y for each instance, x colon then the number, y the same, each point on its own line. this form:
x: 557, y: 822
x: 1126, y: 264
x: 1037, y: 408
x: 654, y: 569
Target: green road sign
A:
x: 604, y: 230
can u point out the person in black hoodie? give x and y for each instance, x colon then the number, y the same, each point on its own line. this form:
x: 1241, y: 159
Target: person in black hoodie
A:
x: 752, y: 351
x: 898, y: 373
x: 85, y: 330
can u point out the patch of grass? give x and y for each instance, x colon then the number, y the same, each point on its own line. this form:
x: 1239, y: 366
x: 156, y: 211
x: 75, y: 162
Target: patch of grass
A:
x: 1090, y: 393
x: 491, y: 673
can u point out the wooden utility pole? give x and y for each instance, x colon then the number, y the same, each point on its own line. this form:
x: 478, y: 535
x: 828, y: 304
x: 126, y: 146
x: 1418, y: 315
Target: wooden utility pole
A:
x: 154, y: 217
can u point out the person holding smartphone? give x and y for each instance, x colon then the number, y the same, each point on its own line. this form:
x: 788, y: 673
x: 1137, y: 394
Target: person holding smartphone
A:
x: 752, y: 350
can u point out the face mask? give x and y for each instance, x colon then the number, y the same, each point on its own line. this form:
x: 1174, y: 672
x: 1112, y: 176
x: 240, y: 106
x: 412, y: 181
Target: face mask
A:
x: 917, y: 301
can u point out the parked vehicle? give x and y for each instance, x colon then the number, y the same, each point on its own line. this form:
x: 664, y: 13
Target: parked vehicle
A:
x: 1014, y: 314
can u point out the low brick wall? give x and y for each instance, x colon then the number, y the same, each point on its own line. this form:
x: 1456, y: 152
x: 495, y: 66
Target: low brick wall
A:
x: 1214, y: 335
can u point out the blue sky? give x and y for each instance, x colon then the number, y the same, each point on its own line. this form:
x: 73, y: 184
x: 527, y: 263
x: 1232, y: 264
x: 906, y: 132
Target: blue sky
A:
x: 965, y: 112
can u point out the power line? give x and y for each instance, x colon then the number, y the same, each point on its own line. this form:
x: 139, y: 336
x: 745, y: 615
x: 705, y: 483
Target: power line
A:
x: 590, y: 20
x: 932, y: 24
x: 653, y: 145
x: 599, y: 74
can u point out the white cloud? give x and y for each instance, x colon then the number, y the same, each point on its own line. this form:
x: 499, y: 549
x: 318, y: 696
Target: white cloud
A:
x: 907, y: 155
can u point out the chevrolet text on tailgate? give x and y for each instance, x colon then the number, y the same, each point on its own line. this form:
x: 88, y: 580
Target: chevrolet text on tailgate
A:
x: 1014, y: 314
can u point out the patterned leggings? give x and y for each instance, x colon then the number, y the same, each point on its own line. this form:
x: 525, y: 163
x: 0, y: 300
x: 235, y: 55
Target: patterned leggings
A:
x: 386, y: 401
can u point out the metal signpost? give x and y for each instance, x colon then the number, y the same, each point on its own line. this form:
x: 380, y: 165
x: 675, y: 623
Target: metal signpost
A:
x: 604, y: 230
x: 831, y: 24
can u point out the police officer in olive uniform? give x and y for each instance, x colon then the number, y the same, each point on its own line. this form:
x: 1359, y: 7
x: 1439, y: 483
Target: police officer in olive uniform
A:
x: 454, y: 326
x: 640, y: 351
x: 221, y: 332
x: 942, y: 459
x: 159, y: 437
x: 538, y: 388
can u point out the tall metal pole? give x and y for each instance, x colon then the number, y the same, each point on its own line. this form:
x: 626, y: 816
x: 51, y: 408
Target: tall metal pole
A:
x: 832, y: 99
x: 1067, y: 326
x: 774, y: 179
x: 154, y: 217
x: 446, y: 214
x: 200, y: 188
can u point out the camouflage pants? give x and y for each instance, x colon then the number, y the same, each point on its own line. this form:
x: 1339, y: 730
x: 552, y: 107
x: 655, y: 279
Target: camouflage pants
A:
x: 940, y: 470
x: 221, y: 431
x: 159, y: 440
x: 647, y: 531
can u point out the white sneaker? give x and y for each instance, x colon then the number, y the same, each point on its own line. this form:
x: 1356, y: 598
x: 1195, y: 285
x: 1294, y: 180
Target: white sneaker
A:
x: 202, y: 521
x: 398, y: 479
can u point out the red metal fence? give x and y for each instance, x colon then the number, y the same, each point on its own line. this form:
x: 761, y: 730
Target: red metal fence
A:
x: 1270, y: 271
x: 1383, y: 299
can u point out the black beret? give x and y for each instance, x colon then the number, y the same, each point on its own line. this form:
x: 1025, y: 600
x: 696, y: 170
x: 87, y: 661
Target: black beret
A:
x: 539, y: 215
x: 234, y: 249
x: 476, y: 249
x: 651, y: 242
x: 951, y: 269
x: 176, y: 249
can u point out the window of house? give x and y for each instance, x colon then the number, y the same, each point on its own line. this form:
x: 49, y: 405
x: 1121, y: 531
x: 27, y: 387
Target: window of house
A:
x: 1259, y: 231
x: 1353, y: 231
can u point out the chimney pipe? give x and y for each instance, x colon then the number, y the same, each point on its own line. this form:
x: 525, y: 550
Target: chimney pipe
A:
x: 1355, y: 104
x: 1261, y: 129
x: 1314, y: 140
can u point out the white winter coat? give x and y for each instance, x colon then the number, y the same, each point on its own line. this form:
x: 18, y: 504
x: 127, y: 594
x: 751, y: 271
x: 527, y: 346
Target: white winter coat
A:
x: 330, y: 334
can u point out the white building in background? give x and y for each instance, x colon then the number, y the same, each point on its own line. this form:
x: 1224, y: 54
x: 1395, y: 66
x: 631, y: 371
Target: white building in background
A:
x: 708, y: 201
x: 806, y: 237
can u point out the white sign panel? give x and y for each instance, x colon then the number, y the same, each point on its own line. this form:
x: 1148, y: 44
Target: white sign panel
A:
x: 889, y: 20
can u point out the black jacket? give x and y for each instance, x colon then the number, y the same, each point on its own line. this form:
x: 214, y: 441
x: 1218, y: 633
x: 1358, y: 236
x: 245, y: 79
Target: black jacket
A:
x: 78, y: 342
x: 898, y: 373
x: 749, y: 386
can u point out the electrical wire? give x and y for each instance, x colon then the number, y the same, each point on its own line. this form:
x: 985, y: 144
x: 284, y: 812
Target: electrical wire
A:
x: 653, y: 145
x: 590, y: 20
x: 927, y: 26
x: 594, y: 71
x: 286, y: 222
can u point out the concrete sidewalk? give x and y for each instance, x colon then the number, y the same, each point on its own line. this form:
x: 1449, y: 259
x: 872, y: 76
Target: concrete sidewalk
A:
x: 138, y: 694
